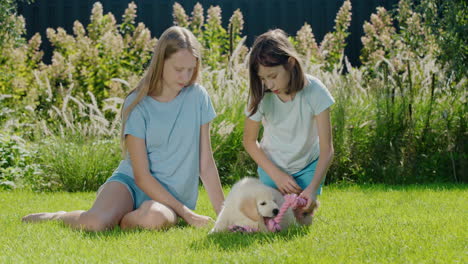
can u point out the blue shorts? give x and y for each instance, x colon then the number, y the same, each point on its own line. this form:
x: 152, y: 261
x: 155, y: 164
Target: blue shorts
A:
x: 303, y: 177
x: 137, y: 194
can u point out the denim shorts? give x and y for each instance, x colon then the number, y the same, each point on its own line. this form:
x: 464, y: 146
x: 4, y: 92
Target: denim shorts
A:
x: 137, y: 194
x: 303, y: 177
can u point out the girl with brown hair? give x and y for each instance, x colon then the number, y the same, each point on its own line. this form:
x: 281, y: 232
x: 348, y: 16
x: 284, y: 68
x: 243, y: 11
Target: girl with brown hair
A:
x: 294, y: 108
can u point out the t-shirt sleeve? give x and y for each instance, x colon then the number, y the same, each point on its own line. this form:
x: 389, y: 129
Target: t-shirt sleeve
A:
x: 208, y: 112
x: 258, y: 115
x: 135, y: 125
x: 319, y: 97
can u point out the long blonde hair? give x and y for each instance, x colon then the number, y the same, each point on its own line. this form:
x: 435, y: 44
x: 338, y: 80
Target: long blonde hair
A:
x: 171, y: 41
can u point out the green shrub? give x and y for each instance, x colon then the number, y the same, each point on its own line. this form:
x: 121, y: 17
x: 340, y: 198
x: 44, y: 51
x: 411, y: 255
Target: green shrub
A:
x: 398, y: 118
x: 78, y: 164
x: 89, y: 59
x: 232, y: 160
x: 17, y: 163
x: 218, y: 43
x: 330, y: 53
x: 447, y: 22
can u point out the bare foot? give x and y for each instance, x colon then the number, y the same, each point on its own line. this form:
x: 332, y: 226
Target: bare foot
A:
x: 39, y: 217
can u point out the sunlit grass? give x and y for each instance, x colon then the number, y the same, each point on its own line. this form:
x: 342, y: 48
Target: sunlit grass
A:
x: 355, y: 224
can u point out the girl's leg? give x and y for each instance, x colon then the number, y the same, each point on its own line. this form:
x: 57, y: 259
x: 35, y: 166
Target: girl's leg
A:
x: 112, y: 203
x: 150, y: 215
x: 303, y: 179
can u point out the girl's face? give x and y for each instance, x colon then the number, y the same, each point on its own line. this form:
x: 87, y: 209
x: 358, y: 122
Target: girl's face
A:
x: 275, y: 79
x: 178, y: 70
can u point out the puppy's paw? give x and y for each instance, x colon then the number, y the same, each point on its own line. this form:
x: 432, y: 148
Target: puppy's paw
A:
x: 242, y: 229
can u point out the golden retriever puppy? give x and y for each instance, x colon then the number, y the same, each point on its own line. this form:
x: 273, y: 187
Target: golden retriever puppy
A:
x: 250, y: 205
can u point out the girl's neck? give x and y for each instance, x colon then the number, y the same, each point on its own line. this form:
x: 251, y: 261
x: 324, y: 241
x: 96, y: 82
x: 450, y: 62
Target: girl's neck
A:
x: 286, y: 97
x: 166, y: 95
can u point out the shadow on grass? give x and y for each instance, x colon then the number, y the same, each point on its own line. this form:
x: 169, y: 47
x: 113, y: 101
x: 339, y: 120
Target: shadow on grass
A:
x: 120, y: 233
x: 237, y: 241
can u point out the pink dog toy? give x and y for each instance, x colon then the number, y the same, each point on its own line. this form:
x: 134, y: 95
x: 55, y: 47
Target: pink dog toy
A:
x: 291, y: 200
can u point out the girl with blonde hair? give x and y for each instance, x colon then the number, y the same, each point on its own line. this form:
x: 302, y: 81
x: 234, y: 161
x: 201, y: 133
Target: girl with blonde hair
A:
x: 166, y: 145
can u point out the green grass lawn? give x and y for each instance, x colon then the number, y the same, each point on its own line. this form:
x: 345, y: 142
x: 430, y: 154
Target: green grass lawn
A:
x: 355, y: 224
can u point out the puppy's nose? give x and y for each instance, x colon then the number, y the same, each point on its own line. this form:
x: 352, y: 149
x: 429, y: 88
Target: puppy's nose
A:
x: 275, y: 211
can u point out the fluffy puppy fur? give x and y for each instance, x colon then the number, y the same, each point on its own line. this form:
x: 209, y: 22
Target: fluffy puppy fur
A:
x: 251, y: 204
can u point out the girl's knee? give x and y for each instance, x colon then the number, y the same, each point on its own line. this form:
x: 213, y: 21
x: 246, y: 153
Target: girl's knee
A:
x: 96, y: 222
x: 150, y: 215
x: 157, y: 216
x: 158, y: 220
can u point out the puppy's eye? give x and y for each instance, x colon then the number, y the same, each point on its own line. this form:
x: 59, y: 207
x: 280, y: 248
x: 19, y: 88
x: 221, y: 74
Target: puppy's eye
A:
x: 263, y: 203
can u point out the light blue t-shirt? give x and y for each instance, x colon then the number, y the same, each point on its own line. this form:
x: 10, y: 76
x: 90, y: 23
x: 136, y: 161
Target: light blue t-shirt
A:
x: 171, y: 131
x: 290, y: 137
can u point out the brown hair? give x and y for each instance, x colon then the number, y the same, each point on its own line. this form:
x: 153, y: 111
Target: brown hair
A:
x: 273, y: 49
x: 171, y: 41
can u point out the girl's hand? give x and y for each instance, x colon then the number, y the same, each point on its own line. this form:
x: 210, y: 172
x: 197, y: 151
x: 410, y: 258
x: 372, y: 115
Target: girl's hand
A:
x: 286, y: 184
x: 311, y: 200
x: 197, y: 220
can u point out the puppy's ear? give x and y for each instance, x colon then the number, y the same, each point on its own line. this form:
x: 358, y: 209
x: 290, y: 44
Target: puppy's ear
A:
x: 248, y: 207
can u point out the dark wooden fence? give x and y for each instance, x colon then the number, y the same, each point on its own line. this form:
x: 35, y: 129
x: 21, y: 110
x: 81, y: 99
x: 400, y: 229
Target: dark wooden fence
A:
x: 259, y: 16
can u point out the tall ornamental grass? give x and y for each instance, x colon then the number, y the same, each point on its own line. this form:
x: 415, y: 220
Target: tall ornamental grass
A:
x: 400, y: 117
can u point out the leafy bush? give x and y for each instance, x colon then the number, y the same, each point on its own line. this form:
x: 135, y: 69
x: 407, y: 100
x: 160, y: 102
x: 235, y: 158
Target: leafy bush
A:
x: 398, y: 118
x: 218, y: 43
x: 446, y: 20
x: 17, y: 163
x: 330, y: 53
x: 18, y: 60
x: 92, y: 57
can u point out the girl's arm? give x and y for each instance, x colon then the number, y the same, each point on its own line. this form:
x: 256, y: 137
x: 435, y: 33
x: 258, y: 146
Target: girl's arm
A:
x: 285, y: 182
x: 325, y: 157
x: 149, y: 185
x: 208, y: 171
